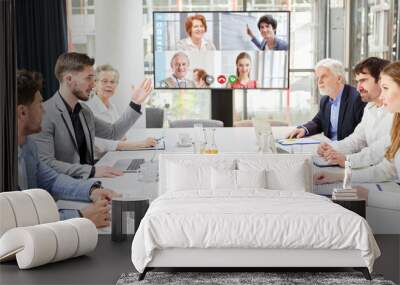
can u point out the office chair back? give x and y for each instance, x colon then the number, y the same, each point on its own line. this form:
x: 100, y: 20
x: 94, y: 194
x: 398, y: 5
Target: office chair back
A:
x: 190, y: 123
x: 154, y: 117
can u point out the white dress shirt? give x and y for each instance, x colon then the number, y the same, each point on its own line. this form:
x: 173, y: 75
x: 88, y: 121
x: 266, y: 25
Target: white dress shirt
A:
x: 110, y: 115
x: 366, y: 146
x: 381, y: 172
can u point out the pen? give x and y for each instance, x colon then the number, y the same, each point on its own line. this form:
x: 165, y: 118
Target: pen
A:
x: 379, y: 187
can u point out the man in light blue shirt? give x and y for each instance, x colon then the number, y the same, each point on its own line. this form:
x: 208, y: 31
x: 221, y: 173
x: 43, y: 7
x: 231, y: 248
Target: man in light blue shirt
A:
x: 335, y: 107
x: 33, y: 173
x: 341, y: 108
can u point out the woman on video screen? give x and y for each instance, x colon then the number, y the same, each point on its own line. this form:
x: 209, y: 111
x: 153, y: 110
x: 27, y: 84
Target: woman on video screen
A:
x: 196, y: 27
x: 243, y: 68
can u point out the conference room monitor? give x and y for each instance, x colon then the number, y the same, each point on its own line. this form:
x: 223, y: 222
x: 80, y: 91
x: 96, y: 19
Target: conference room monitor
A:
x: 229, y: 50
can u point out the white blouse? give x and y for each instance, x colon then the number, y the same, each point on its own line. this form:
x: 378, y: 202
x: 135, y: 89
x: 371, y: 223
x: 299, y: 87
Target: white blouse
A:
x: 187, y: 44
x: 381, y: 172
x: 109, y: 115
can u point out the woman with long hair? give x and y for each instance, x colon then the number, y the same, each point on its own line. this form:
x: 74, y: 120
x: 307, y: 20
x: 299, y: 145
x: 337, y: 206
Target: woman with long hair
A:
x: 390, y: 85
x: 243, y: 71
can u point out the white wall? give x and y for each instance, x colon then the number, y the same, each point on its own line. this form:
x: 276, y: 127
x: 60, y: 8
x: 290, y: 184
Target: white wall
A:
x: 119, y: 42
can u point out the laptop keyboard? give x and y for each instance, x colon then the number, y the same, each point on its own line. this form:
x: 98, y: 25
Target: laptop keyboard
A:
x: 135, y: 164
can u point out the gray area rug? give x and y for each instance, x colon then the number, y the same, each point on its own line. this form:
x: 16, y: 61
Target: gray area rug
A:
x: 228, y: 278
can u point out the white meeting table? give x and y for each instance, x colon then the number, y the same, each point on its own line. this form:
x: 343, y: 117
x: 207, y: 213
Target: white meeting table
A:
x: 228, y: 140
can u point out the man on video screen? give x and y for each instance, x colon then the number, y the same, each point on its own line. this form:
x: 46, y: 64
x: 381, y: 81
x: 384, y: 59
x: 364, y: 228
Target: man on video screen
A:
x: 267, y: 26
x: 179, y: 65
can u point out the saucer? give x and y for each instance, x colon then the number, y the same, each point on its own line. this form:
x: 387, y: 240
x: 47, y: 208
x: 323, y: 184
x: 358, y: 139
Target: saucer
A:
x: 184, y: 145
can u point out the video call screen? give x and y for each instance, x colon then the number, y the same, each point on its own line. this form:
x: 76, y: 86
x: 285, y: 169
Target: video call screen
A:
x: 229, y: 50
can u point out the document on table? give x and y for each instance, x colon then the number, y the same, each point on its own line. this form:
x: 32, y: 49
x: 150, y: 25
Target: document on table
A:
x: 298, y: 141
x: 159, y: 146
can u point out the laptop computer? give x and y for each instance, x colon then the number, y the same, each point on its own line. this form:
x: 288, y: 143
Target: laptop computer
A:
x: 129, y: 165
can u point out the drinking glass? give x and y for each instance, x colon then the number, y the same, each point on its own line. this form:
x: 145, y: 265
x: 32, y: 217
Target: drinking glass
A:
x: 198, y: 137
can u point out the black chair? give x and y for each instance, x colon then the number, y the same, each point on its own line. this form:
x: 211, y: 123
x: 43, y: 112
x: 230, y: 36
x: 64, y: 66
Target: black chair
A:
x: 154, y: 117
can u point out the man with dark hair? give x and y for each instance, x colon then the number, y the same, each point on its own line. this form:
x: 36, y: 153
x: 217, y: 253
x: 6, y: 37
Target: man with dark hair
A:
x: 366, y: 145
x: 33, y: 173
x: 66, y: 142
x: 267, y: 26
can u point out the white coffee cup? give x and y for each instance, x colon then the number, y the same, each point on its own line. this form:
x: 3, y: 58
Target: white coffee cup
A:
x: 184, y: 139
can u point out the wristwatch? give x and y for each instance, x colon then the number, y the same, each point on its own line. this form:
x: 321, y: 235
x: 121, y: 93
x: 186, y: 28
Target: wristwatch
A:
x: 95, y: 185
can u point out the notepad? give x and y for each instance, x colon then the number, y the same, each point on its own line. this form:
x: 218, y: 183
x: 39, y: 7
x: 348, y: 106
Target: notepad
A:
x: 298, y: 141
x: 159, y: 146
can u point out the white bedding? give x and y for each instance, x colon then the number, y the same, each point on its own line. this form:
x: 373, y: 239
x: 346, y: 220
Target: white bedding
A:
x: 250, y: 219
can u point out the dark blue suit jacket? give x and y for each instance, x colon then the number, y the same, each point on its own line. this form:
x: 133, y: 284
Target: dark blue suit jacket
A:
x: 350, y: 114
x: 60, y: 186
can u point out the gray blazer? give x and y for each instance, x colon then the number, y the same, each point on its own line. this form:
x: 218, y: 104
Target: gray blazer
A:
x: 57, y: 144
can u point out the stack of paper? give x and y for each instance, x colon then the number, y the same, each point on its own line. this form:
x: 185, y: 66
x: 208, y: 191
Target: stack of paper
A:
x: 345, y: 194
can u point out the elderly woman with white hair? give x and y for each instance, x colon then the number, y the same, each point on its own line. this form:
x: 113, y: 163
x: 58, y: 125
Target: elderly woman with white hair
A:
x: 106, y: 84
x: 341, y: 107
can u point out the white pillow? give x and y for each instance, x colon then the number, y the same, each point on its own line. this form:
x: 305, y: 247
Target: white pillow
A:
x: 291, y: 177
x: 282, y: 173
x: 231, y: 180
x: 223, y: 179
x: 184, y: 178
x: 187, y: 175
x: 251, y: 178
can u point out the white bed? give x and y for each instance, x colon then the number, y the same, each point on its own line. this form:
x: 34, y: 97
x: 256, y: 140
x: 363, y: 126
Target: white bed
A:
x: 224, y: 217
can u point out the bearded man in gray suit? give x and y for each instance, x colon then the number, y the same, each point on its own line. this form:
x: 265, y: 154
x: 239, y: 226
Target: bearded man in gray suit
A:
x: 66, y: 142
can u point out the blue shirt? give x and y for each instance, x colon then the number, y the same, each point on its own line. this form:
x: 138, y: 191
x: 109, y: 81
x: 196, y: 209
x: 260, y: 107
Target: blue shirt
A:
x: 60, y: 186
x: 335, y: 107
